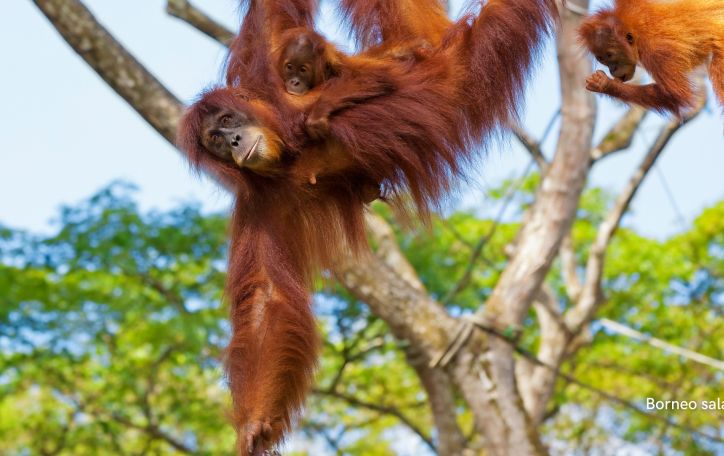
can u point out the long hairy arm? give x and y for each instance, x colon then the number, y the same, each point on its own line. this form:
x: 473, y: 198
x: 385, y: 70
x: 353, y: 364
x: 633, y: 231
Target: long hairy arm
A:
x: 384, y: 22
x: 274, y: 343
x: 501, y: 45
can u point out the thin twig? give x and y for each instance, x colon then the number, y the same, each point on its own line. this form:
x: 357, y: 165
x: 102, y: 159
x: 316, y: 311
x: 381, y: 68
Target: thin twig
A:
x: 385, y: 410
x: 531, y: 145
x: 478, y: 250
x: 621, y: 134
x: 591, y: 293
x: 188, y: 13
x: 658, y: 343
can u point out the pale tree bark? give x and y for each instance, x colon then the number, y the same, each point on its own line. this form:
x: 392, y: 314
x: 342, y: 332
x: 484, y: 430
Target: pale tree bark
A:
x: 562, y: 333
x: 507, y: 398
x: 439, y: 388
x: 126, y: 76
x: 540, y: 238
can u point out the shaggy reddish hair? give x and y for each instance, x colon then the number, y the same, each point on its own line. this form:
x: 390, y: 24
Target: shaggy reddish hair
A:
x: 412, y: 138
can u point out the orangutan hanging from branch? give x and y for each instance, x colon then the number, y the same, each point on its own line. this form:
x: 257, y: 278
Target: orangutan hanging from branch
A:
x: 306, y: 136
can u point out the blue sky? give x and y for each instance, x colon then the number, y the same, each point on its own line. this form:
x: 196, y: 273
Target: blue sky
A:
x: 66, y: 134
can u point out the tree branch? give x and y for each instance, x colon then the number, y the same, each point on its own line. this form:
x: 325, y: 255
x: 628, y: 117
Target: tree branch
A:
x: 536, y: 382
x: 551, y: 217
x: 531, y: 145
x: 114, y: 64
x: 557, y: 200
x: 184, y: 10
x: 658, y: 343
x: 411, y: 314
x: 436, y: 383
x: 591, y: 293
x: 385, y: 410
x: 620, y: 135
x: 439, y: 388
x: 569, y: 268
x: 388, y: 250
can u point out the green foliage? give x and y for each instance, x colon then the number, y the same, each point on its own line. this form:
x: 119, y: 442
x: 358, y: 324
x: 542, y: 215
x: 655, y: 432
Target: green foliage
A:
x: 672, y: 290
x: 112, y: 335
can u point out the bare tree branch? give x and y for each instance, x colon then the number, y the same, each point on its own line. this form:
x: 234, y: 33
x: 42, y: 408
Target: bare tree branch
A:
x: 382, y: 409
x: 411, y: 314
x: 551, y: 217
x: 536, y: 382
x: 389, y: 251
x: 531, y: 145
x: 114, y: 64
x: 184, y: 10
x: 569, y: 268
x: 557, y: 200
x: 658, y: 343
x: 620, y: 135
x: 439, y: 389
x: 437, y: 383
x: 591, y: 293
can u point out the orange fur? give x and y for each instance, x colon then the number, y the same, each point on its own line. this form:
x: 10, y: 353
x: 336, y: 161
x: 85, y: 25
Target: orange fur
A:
x: 379, y: 25
x: 669, y: 38
x: 410, y: 124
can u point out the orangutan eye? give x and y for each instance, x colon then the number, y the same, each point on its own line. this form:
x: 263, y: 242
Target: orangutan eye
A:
x: 629, y: 38
x: 609, y: 55
x: 289, y: 67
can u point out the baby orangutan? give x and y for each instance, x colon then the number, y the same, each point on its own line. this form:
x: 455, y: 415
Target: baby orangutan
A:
x: 305, y: 63
x: 307, y: 59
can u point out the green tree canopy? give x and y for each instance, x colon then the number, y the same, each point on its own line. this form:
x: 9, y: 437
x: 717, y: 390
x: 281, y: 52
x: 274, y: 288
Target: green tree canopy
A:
x: 112, y: 333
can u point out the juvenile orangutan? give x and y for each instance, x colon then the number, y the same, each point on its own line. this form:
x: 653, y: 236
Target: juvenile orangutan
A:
x: 668, y: 38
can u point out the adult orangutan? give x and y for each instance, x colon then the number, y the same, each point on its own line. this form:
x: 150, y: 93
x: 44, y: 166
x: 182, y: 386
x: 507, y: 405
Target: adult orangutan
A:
x: 668, y: 38
x: 407, y: 124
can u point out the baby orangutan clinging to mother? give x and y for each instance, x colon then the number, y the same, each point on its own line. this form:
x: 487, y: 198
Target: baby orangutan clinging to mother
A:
x: 307, y: 60
x: 668, y: 38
